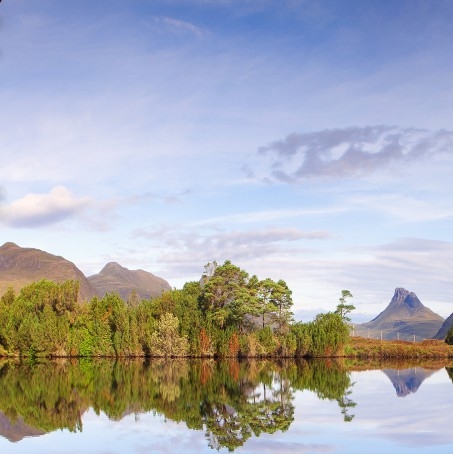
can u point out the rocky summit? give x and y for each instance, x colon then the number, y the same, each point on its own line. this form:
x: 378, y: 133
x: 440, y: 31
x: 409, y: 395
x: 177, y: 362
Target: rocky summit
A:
x: 404, y: 318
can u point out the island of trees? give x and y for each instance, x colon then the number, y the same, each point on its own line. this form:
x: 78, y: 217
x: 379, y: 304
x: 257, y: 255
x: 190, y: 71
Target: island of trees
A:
x: 228, y: 313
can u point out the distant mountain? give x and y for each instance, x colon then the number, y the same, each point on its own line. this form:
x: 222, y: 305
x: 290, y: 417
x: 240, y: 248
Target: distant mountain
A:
x: 404, y: 317
x: 407, y: 381
x: 442, y: 333
x: 115, y: 278
x: 21, y: 266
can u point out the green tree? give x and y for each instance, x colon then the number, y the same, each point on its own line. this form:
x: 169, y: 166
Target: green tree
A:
x: 166, y: 341
x: 100, y: 334
x: 226, y: 296
x: 449, y: 337
x: 343, y: 309
x: 283, y: 301
x: 274, y: 304
x: 329, y: 333
x: 266, y: 300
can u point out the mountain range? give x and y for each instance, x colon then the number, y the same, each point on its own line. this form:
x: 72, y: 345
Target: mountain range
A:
x: 21, y: 266
x: 404, y: 318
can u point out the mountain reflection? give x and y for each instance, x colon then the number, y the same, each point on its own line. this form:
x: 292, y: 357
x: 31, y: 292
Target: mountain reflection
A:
x: 230, y: 401
x: 407, y: 381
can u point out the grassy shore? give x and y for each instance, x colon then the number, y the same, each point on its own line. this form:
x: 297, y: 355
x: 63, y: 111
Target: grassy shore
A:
x: 362, y: 348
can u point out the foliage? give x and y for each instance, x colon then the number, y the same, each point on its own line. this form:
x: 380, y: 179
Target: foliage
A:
x: 227, y: 314
x: 329, y: 335
x: 344, y: 309
x: 166, y: 341
x: 449, y: 337
x: 274, y: 304
x: 360, y: 347
x: 227, y: 297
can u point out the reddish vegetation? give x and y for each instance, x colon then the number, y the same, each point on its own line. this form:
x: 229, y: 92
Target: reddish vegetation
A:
x: 205, y: 343
x: 233, y: 345
x: 360, y: 347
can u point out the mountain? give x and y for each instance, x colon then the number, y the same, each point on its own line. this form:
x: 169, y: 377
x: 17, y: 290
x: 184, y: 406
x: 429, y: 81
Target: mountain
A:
x: 404, y: 317
x: 442, y: 333
x: 21, y: 266
x: 115, y: 278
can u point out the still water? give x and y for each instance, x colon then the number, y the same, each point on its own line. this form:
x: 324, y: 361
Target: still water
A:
x: 252, y: 406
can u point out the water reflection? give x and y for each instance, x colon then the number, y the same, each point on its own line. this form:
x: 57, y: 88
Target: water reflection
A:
x: 230, y: 401
x: 407, y: 381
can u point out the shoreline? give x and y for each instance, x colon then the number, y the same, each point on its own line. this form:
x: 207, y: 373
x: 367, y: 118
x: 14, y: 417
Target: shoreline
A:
x: 357, y: 348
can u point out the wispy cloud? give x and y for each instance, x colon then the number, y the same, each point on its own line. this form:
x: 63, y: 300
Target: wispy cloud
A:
x: 350, y: 152
x: 402, y: 208
x: 270, y: 215
x: 186, y: 250
x: 181, y: 27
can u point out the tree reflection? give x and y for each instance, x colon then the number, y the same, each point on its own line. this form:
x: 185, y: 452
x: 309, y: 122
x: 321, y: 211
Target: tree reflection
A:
x: 230, y: 401
x: 258, y: 401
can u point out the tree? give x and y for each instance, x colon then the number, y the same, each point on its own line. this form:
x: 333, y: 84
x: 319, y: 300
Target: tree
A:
x: 166, y: 341
x: 274, y: 303
x: 226, y: 296
x: 449, y: 337
x: 344, y: 309
x: 266, y: 299
x: 283, y: 300
x: 329, y: 333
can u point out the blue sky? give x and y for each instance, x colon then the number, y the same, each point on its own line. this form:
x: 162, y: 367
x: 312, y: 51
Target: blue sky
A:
x: 310, y: 141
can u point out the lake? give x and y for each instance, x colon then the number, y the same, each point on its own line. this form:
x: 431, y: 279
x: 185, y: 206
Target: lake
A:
x: 195, y: 406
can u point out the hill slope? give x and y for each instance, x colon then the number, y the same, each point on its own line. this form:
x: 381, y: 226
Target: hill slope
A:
x: 115, y: 278
x: 21, y: 266
x: 443, y: 331
x: 404, y: 317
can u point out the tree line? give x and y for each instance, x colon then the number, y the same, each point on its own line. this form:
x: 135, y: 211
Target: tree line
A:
x: 228, y: 313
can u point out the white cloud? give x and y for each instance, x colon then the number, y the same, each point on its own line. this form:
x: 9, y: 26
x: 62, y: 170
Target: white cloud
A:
x: 35, y: 210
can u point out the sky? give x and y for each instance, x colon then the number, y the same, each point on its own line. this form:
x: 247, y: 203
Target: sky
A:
x: 304, y: 140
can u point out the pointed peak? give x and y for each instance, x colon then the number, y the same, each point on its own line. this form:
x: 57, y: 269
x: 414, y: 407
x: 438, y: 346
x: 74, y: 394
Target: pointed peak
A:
x: 112, y: 266
x: 404, y: 298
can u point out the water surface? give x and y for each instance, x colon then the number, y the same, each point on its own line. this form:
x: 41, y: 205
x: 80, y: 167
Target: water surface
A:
x: 252, y: 406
